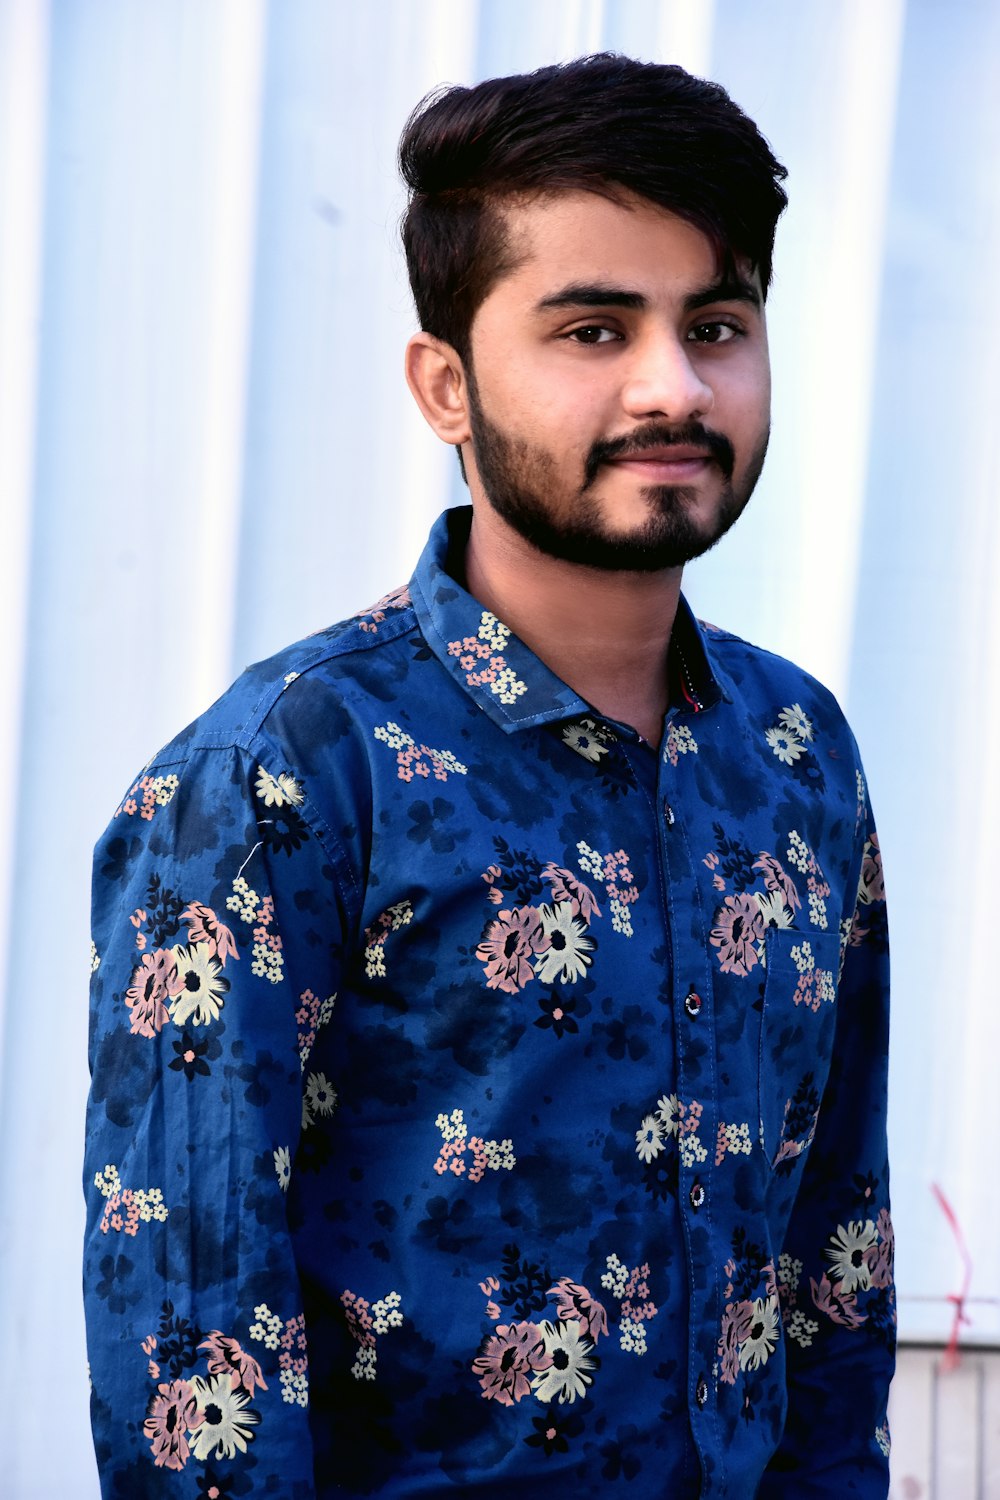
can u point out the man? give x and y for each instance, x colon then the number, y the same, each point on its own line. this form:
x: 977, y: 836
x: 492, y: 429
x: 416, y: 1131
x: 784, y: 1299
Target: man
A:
x: 490, y: 1010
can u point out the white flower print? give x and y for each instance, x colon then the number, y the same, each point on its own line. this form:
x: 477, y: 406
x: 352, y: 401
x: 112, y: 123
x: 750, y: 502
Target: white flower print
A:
x: 587, y: 739
x: 386, y: 1313
x: 798, y: 852
x: 283, y: 1167
x: 668, y: 1112
x: 789, y: 1271
x: 267, y: 1329
x: 649, y: 1138
x: 795, y: 722
x: 773, y: 909
x: 691, y: 1150
x: 500, y: 1155
x: 817, y: 910
x: 320, y: 1102
x: 802, y: 1329
x: 632, y: 1336
x: 784, y: 745
x: 276, y: 791
x: 320, y: 1095
x: 802, y: 957
x: 227, y: 1427
x: 453, y: 1126
x: 758, y: 1346
x: 202, y: 986
x: 849, y: 1255
x: 569, y: 1374
x: 567, y: 958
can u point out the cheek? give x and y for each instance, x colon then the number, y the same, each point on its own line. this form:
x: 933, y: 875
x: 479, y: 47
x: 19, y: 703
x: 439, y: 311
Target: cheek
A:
x: 743, y: 400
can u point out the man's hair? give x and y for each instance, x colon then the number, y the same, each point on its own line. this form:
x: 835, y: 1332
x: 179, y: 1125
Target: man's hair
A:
x: 604, y: 124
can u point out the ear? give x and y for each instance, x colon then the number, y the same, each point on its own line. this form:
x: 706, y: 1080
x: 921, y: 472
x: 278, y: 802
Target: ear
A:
x: 436, y: 376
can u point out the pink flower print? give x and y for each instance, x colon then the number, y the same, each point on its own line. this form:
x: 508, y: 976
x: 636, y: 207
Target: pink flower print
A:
x: 739, y: 927
x: 872, y: 881
x: 206, y: 928
x: 736, y: 1321
x: 840, y: 1307
x: 172, y: 1413
x: 359, y: 1318
x: 804, y: 992
x: 566, y: 887
x: 370, y: 619
x: 488, y: 1287
x: 642, y: 1309
x: 131, y: 1212
x: 479, y: 1158
x: 513, y: 1354
x: 880, y: 1256
x: 775, y: 879
x: 618, y: 878
x: 508, y: 947
x: 225, y: 1357
x: 574, y: 1302
x: 153, y: 982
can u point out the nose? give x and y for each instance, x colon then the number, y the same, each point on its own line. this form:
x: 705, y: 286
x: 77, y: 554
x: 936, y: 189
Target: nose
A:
x: 664, y: 381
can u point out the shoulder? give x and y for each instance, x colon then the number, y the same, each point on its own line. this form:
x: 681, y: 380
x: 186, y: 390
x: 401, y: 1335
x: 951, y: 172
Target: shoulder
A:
x: 311, y: 684
x: 777, y: 710
x: 759, y: 680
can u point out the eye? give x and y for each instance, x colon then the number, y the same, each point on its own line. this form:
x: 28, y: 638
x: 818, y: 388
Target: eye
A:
x: 714, y: 333
x: 592, y: 333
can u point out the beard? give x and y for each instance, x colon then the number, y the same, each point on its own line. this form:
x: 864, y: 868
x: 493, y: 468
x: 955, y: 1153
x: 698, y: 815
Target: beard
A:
x: 520, y: 479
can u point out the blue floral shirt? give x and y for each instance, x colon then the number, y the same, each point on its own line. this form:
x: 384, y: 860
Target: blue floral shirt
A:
x: 485, y: 1100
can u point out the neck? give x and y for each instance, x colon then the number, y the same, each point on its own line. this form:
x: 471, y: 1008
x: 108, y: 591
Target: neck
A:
x: 606, y: 634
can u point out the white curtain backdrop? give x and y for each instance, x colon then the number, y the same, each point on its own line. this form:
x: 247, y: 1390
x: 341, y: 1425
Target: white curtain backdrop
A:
x: 207, y: 449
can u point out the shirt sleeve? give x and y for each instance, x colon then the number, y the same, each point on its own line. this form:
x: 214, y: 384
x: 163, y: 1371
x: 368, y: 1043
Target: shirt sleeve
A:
x: 835, y: 1277
x: 217, y: 926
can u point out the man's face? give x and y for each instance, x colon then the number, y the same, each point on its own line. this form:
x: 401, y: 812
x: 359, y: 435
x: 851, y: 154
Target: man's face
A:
x: 619, y: 390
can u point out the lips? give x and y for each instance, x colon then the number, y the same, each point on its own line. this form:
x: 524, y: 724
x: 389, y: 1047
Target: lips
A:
x: 673, y: 453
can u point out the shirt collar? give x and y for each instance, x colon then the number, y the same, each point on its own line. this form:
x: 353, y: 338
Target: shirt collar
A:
x: 497, y: 670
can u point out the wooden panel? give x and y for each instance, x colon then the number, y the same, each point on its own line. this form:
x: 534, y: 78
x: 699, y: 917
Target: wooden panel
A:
x: 945, y: 1427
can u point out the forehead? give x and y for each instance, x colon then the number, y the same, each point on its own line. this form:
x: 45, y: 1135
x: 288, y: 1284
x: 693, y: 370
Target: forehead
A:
x: 572, y: 236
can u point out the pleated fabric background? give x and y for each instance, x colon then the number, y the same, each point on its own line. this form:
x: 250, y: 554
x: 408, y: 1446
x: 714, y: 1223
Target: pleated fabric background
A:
x: 207, y: 449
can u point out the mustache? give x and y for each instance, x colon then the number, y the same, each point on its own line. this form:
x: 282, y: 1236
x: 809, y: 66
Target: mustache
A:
x: 660, y: 435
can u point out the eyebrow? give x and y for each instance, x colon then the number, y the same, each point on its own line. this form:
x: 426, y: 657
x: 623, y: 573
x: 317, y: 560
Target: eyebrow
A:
x: 599, y: 294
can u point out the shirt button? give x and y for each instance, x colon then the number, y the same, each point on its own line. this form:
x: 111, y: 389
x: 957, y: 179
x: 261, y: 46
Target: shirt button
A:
x: 701, y: 1391
x: 697, y: 1195
x: 668, y: 813
x: 692, y: 1003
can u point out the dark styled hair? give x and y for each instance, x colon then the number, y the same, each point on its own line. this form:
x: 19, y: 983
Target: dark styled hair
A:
x: 605, y: 124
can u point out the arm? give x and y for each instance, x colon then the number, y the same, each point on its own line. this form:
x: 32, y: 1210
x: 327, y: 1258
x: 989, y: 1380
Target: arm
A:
x: 209, y: 982
x: 835, y: 1277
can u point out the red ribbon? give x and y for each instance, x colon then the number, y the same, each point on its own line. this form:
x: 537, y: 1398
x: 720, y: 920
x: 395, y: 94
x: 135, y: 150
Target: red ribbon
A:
x: 950, y: 1358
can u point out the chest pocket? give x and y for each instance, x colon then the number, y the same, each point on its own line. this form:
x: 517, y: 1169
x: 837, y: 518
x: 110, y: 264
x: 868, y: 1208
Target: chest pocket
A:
x: 796, y: 1038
